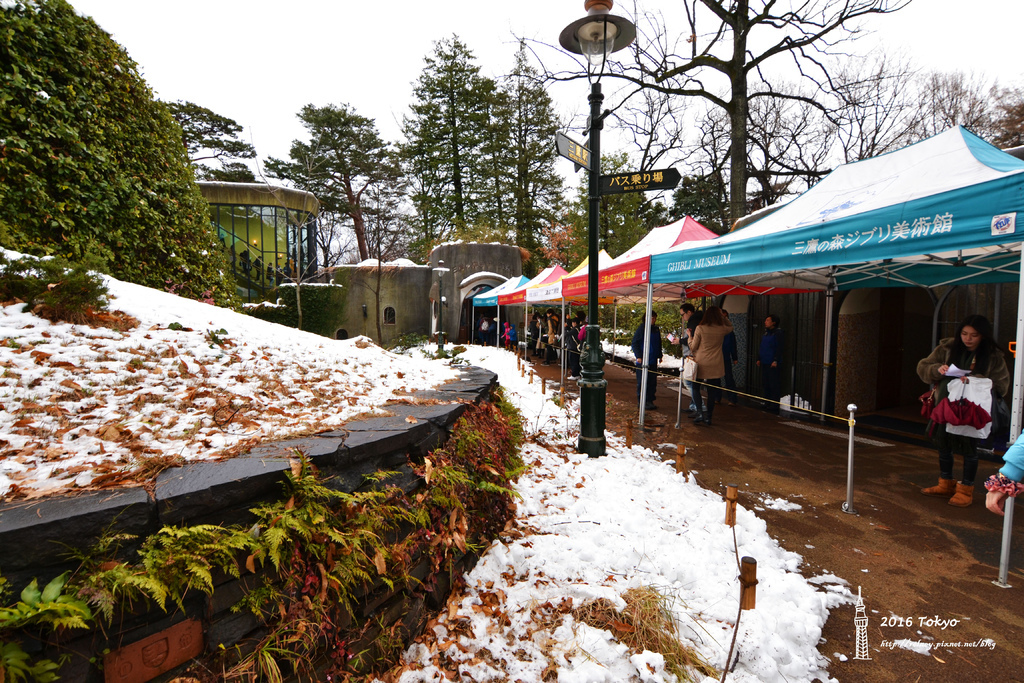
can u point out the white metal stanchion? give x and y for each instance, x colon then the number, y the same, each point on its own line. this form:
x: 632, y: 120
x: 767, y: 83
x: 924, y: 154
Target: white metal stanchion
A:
x: 1004, y: 554
x: 647, y: 352
x: 848, y: 505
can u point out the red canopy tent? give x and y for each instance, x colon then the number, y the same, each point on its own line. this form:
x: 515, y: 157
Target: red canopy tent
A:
x: 545, y: 277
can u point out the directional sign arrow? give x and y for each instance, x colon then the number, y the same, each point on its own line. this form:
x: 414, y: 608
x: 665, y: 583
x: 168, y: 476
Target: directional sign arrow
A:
x: 573, y: 151
x: 640, y: 181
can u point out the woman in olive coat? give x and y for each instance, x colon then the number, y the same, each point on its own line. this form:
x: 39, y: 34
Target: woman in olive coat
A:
x: 973, y: 349
x: 706, y: 347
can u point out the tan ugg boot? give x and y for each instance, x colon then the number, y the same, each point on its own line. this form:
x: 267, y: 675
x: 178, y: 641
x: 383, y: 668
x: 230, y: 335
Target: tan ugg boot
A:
x: 945, y: 488
x: 964, y: 495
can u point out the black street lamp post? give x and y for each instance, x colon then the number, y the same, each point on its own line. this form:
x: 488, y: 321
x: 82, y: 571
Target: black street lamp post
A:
x: 595, y: 36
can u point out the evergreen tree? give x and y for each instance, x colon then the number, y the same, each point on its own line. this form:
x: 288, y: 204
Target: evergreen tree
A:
x: 210, y: 136
x: 624, y: 219
x: 702, y: 198
x: 445, y: 138
x: 531, y: 122
x: 344, y: 158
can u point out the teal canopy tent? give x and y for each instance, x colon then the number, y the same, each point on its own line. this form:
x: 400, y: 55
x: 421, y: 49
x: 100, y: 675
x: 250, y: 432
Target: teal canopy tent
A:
x: 490, y: 297
x: 942, y: 211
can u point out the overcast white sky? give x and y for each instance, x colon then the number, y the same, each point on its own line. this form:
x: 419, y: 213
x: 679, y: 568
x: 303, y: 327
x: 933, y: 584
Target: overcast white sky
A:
x: 260, y: 61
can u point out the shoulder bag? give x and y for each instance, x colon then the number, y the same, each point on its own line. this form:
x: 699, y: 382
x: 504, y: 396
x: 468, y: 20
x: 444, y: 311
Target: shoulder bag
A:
x: 689, y: 369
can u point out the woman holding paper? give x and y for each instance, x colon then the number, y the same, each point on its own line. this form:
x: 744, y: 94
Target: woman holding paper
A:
x: 970, y: 354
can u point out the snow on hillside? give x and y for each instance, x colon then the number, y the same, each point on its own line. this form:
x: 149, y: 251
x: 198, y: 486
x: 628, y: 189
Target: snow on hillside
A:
x: 80, y: 405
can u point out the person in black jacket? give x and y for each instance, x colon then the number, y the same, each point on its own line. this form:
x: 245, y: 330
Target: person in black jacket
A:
x: 653, y: 357
x: 572, y: 346
x: 770, y: 361
x: 534, y: 335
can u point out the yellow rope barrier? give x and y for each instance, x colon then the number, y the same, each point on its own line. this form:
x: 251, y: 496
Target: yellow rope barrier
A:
x: 847, y: 420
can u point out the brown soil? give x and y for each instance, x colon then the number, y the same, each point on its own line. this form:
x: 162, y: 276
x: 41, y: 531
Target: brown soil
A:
x: 913, y: 557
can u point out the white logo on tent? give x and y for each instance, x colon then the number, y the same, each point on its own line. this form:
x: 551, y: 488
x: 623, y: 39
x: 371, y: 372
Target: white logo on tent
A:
x: 1004, y: 224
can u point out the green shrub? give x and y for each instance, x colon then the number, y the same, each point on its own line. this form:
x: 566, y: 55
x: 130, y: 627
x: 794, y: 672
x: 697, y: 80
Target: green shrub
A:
x: 407, y: 341
x: 53, y: 288
x: 90, y: 162
x: 323, y: 308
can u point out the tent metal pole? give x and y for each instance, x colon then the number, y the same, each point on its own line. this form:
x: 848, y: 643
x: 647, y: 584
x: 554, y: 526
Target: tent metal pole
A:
x: 682, y: 364
x: 647, y: 351
x: 497, y: 329
x: 615, y: 326
x: 526, y: 332
x: 826, y: 356
x: 997, y: 302
x: 565, y: 348
x: 1015, y: 427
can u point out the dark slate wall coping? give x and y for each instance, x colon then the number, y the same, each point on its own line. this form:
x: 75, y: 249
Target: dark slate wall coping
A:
x: 43, y: 531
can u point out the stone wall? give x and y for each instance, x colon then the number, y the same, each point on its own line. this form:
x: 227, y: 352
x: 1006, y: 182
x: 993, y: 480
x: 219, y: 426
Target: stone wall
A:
x: 402, y: 288
x: 149, y: 644
x: 857, y: 360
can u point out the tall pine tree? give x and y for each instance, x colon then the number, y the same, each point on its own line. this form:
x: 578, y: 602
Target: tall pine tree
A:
x: 530, y: 120
x: 344, y: 159
x: 445, y: 139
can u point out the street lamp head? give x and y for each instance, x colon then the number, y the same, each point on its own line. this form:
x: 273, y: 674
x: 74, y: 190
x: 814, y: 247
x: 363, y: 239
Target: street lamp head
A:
x: 598, y: 34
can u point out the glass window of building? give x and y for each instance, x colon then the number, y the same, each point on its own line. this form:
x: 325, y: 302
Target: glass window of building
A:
x: 269, y: 234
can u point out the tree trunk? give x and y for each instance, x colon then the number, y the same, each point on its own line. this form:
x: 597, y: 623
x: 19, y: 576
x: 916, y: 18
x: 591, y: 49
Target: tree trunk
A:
x: 359, y: 228
x: 738, y: 110
x: 355, y: 212
x: 376, y: 297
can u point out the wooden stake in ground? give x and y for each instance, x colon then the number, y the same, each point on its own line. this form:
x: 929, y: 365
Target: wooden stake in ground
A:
x: 543, y: 385
x: 629, y: 435
x: 748, y: 583
x: 531, y: 376
x: 681, y: 461
x: 731, y: 496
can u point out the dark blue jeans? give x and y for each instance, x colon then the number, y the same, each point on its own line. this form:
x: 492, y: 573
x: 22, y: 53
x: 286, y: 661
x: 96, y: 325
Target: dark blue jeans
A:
x: 771, y: 385
x: 652, y: 383
x: 714, y: 387
x: 730, y: 383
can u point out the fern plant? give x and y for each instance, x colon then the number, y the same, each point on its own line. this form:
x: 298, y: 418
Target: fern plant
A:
x: 51, y: 609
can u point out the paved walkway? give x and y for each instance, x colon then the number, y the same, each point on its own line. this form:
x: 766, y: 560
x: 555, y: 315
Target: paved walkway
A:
x: 912, y: 556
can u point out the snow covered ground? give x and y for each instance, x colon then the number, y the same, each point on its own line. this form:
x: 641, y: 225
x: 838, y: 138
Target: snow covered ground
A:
x: 78, y: 403
x: 194, y: 381
x: 594, y: 528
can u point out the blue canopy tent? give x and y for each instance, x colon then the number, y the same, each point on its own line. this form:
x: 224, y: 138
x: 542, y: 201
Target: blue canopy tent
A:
x: 939, y: 212
x: 490, y: 298
x: 895, y: 220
